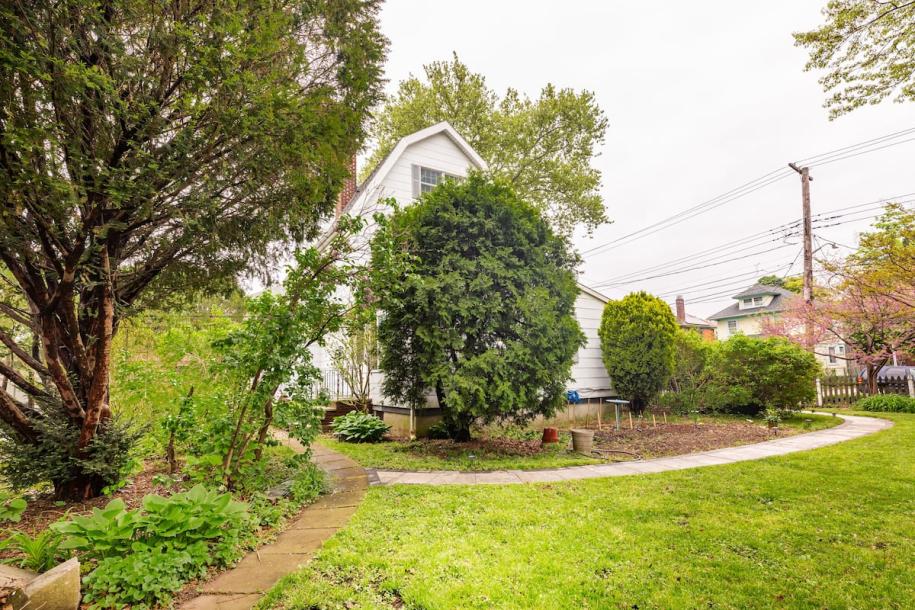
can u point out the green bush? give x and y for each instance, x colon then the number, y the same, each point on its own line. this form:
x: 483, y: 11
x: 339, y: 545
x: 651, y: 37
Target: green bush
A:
x: 109, y: 459
x: 145, y: 578
x: 12, y: 509
x: 358, y: 427
x: 637, y: 337
x: 144, y: 555
x: 687, y: 390
x: 887, y: 403
x: 750, y: 375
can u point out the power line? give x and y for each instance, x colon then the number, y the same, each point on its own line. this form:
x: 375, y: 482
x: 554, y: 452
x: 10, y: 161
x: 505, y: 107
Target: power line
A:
x: 822, y: 220
x: 651, y: 277
x: 859, y: 145
x: 767, y: 179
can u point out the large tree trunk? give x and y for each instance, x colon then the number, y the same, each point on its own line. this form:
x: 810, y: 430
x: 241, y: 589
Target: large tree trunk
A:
x: 72, y: 364
x: 78, y: 489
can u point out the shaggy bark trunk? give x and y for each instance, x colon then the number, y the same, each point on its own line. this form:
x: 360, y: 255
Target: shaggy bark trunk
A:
x: 78, y: 489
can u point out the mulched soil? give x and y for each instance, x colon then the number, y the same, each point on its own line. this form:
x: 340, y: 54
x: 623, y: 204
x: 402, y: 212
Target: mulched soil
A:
x: 650, y: 441
x: 44, y: 509
x: 679, y: 439
x: 481, y: 447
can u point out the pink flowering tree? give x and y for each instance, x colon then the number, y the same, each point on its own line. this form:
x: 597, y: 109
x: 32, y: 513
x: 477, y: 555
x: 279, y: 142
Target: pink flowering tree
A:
x: 872, y: 326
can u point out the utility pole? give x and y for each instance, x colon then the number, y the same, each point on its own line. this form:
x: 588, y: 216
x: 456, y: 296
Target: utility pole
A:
x: 808, y: 232
x: 808, y: 252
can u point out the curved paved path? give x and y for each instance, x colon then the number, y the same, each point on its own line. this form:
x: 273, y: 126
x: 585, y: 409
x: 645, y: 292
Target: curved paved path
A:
x: 854, y: 426
x: 242, y: 586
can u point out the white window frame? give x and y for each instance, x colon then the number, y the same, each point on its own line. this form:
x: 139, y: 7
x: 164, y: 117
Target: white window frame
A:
x: 832, y: 355
x: 420, y: 186
x: 733, y: 330
x: 757, y: 301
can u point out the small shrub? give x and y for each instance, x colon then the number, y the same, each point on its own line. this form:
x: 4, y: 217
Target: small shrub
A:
x: 146, y: 578
x: 144, y: 555
x: 38, y: 554
x: 24, y: 465
x: 12, y: 509
x: 358, y: 427
x: 750, y: 375
x: 887, y: 403
x: 438, y: 431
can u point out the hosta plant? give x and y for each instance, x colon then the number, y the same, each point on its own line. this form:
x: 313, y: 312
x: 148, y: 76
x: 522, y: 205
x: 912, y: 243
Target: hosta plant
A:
x: 358, y: 427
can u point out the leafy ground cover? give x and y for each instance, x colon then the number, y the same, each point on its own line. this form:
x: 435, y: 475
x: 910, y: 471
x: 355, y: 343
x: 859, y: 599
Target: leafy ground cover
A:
x: 829, y: 528
x: 495, y: 449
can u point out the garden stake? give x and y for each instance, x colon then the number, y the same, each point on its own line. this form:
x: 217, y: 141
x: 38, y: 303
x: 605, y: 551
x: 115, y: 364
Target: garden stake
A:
x: 665, y: 418
x: 630, y: 420
x: 654, y: 424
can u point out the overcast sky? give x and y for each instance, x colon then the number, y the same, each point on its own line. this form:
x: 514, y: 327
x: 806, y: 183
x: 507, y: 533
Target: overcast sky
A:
x: 702, y: 97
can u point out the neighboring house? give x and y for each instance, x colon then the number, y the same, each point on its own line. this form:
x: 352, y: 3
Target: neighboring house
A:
x: 761, y: 302
x: 687, y: 321
x: 416, y: 165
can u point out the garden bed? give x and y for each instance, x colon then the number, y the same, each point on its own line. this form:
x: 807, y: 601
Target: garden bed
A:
x: 680, y: 437
x: 492, y: 451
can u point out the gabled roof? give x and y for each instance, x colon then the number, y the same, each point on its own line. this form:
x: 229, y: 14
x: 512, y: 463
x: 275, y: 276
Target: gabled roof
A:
x: 760, y: 289
x: 591, y: 292
x: 780, y: 296
x: 384, y: 167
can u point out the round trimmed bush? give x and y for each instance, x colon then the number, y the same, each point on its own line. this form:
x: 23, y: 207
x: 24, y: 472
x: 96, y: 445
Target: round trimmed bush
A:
x: 359, y: 427
x: 887, y: 403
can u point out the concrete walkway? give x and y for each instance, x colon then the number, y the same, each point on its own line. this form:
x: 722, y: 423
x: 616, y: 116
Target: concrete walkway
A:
x: 242, y: 586
x: 853, y: 427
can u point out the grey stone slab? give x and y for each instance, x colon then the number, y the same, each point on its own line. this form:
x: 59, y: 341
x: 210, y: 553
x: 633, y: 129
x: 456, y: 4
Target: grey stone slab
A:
x: 243, y: 601
x: 497, y: 477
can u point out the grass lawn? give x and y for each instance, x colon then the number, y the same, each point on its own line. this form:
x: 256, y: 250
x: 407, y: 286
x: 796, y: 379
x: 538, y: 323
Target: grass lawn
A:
x: 829, y: 528
x: 400, y: 455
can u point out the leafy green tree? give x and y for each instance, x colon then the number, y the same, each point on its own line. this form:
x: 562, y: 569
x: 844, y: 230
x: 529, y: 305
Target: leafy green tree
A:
x: 690, y: 375
x: 793, y: 283
x: 542, y: 148
x: 476, y: 298
x: 637, y: 338
x: 155, y: 145
x: 867, y: 48
x: 269, y: 354
x: 750, y: 375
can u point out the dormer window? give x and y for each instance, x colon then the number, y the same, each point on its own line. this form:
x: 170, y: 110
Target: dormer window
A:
x: 425, y: 179
x: 753, y: 302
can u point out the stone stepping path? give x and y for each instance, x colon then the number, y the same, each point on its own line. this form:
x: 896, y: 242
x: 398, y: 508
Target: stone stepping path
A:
x: 853, y: 426
x: 242, y: 586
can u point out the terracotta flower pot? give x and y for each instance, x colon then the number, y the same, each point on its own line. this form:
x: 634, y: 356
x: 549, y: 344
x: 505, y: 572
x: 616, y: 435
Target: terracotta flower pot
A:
x: 550, y: 435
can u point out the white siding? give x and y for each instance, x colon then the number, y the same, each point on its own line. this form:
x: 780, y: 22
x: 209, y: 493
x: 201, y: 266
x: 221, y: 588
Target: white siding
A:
x: 589, y: 376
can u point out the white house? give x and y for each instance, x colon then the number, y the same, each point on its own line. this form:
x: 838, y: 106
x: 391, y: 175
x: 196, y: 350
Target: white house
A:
x: 761, y: 302
x: 416, y: 165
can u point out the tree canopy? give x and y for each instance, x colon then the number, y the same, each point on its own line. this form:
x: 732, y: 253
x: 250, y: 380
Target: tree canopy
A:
x: 637, y: 338
x: 152, y: 144
x: 542, y: 148
x: 867, y: 48
x: 476, y: 299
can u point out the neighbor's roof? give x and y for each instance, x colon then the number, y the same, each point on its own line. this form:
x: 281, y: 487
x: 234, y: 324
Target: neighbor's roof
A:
x: 780, y: 297
x: 760, y: 289
x: 692, y: 320
x: 380, y: 172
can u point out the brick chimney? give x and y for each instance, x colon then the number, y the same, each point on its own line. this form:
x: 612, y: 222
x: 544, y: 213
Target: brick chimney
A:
x: 349, y: 188
x: 681, y: 309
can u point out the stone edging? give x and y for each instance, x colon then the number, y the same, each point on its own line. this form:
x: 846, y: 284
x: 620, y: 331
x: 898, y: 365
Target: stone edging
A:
x: 241, y: 587
x: 853, y: 426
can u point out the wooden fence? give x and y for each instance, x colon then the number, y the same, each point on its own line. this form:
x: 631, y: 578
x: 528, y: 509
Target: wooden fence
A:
x: 841, y: 390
